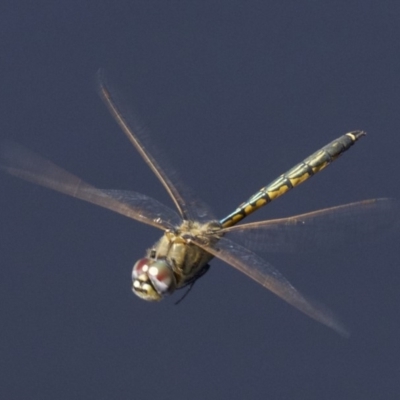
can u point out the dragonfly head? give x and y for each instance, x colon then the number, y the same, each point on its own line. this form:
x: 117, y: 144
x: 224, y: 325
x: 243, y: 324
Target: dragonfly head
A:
x: 152, y: 279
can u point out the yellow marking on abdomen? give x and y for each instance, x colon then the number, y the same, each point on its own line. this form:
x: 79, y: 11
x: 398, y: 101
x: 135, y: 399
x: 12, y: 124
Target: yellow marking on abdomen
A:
x: 278, y: 192
x: 248, y: 209
x: 299, y: 179
x: 260, y: 203
x: 320, y: 167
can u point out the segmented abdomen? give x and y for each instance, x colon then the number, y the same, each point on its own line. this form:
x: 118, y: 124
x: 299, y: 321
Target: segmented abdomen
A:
x: 298, y: 174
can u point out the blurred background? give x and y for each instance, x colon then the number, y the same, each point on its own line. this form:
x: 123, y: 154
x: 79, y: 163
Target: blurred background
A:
x: 234, y: 93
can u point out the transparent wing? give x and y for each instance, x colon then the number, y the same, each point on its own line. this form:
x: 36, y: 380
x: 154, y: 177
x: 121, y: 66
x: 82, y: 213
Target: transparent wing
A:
x: 145, y: 206
x: 265, y: 274
x: 27, y: 165
x: 322, y: 229
x: 188, y: 207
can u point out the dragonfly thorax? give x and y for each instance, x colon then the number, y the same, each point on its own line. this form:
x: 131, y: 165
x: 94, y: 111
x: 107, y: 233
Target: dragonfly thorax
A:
x: 152, y: 279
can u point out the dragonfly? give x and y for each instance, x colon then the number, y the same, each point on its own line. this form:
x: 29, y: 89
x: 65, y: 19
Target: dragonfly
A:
x: 192, y: 237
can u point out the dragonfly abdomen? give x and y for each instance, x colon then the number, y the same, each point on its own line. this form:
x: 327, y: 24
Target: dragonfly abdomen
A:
x: 292, y: 178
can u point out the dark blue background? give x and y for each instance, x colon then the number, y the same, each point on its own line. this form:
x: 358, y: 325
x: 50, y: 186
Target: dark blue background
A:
x: 235, y: 93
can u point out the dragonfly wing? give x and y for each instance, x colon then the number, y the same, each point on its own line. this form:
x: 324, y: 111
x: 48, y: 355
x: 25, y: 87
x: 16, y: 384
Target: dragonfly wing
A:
x: 189, y: 208
x: 29, y: 166
x: 265, y: 274
x: 322, y: 229
x: 146, y: 205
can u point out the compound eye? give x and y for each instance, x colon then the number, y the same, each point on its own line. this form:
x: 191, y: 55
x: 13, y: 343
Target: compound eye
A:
x: 161, y: 276
x: 141, y: 267
x: 153, y: 274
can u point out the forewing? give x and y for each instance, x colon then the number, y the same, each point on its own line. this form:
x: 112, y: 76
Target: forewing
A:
x: 189, y: 207
x: 146, y: 206
x: 265, y: 274
x: 29, y: 166
x: 328, y: 228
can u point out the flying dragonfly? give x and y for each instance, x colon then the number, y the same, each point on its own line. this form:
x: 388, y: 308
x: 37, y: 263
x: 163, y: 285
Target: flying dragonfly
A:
x: 192, y: 238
